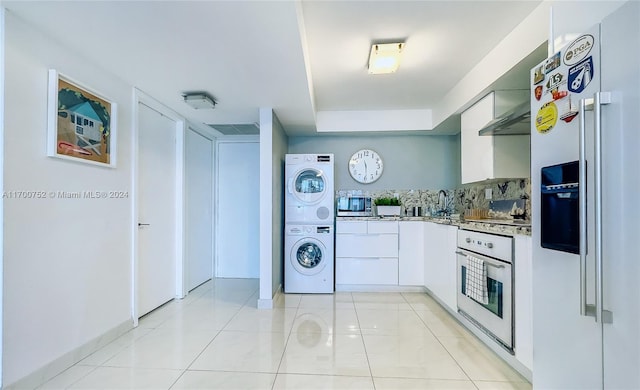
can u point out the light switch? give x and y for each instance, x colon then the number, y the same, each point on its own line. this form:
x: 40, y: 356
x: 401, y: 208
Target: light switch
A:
x: 488, y: 193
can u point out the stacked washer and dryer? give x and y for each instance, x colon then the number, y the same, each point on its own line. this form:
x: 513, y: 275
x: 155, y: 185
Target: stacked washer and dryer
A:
x: 309, y: 223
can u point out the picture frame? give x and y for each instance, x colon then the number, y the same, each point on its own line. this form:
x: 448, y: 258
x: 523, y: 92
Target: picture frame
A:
x: 81, y: 123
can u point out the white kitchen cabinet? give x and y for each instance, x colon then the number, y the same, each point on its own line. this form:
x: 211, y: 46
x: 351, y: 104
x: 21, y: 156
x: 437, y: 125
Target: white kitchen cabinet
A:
x: 440, y: 262
x: 489, y: 157
x: 367, y: 252
x: 411, y: 253
x: 367, y: 245
x: 353, y: 227
x: 523, y: 301
x: 367, y: 271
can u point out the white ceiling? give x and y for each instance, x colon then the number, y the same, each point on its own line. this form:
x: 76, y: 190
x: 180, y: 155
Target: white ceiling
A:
x: 299, y: 58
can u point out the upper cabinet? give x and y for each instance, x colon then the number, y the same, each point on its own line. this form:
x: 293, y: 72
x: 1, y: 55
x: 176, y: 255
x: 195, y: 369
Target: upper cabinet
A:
x: 498, y: 156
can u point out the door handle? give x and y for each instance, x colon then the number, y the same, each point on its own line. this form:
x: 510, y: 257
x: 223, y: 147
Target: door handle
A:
x: 585, y: 310
x: 143, y: 224
x: 599, y: 99
x: 596, y: 311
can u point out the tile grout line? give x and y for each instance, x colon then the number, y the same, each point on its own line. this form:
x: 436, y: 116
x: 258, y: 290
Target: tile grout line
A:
x: 443, y: 346
x: 212, y: 339
x: 286, y: 343
x: 364, y: 345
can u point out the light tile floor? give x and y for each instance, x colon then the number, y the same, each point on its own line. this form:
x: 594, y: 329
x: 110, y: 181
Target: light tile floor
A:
x: 215, y: 338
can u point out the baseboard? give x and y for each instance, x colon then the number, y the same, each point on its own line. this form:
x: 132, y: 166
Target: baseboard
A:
x: 378, y: 288
x: 267, y: 304
x: 55, y: 367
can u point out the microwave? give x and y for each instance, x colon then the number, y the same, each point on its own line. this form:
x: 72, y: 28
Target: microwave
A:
x: 353, y: 206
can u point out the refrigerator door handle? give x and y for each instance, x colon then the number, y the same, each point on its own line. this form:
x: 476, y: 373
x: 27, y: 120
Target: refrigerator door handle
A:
x: 585, y: 309
x: 599, y: 99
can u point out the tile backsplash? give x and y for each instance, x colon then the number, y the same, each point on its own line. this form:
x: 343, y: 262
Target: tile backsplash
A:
x: 456, y: 201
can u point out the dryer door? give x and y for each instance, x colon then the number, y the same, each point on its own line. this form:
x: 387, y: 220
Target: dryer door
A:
x: 308, y: 256
x: 309, y: 186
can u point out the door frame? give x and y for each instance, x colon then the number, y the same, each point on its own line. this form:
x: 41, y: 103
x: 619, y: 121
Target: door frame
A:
x: 2, y: 75
x: 213, y: 139
x: 140, y: 97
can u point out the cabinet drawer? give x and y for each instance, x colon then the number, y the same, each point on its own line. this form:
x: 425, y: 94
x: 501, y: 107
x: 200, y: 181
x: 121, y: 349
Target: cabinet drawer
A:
x: 383, y: 227
x: 357, y: 227
x: 351, y: 270
x: 366, y: 245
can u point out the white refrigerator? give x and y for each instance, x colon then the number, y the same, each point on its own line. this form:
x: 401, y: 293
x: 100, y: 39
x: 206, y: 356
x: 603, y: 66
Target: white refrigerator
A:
x: 586, y: 308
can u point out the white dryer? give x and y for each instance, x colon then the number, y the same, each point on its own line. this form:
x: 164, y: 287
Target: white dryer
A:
x: 309, y: 192
x: 308, y: 259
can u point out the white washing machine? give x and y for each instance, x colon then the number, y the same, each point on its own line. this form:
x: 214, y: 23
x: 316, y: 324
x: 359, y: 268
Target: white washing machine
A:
x: 308, y: 259
x: 309, y: 192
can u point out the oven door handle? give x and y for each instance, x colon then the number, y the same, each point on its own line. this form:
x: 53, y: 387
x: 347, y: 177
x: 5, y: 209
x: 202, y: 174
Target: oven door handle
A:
x: 487, y: 261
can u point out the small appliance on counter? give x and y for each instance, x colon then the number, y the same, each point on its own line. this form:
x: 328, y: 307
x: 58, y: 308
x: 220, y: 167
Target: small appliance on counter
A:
x: 354, y: 206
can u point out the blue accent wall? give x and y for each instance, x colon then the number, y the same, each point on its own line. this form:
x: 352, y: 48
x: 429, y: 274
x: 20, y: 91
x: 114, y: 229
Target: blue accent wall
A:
x: 410, y: 161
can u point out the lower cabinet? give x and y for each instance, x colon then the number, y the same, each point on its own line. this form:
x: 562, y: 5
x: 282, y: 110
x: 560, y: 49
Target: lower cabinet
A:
x: 367, y: 252
x: 411, y: 253
x: 523, y: 301
x: 440, y: 262
x: 367, y: 270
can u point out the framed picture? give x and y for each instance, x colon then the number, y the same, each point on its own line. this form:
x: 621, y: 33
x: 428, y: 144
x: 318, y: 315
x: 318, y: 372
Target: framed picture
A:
x: 81, y: 123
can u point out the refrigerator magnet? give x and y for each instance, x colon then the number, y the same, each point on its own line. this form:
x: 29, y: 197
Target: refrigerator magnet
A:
x: 552, y: 63
x: 578, y: 49
x: 555, y: 81
x: 538, y: 75
x: 538, y: 92
x: 566, y: 108
x: 580, y: 75
x: 546, y: 118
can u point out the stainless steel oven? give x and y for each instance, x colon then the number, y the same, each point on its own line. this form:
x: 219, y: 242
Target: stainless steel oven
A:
x: 491, y: 256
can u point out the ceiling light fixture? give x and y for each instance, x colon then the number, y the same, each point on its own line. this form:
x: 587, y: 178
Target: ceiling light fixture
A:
x: 385, y: 57
x: 199, y: 100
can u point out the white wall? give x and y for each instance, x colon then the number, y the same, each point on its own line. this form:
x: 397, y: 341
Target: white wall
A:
x: 67, y: 262
x: 572, y: 18
x: 410, y: 161
x: 279, y: 149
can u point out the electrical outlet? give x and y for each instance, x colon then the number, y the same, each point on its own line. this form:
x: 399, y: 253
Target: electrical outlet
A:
x: 488, y: 193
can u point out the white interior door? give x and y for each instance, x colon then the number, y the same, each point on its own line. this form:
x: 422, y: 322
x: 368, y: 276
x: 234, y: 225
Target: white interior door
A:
x: 238, y: 210
x: 156, y: 281
x: 199, y: 205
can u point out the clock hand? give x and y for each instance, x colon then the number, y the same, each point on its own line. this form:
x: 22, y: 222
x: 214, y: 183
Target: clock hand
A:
x: 365, y: 167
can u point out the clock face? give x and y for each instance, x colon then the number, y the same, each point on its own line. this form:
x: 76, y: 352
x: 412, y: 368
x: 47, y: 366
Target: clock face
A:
x: 365, y: 166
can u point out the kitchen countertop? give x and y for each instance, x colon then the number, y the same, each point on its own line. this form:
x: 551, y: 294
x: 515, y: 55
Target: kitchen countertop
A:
x: 489, y: 226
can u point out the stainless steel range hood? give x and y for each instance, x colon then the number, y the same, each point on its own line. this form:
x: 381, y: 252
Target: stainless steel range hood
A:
x: 513, y: 122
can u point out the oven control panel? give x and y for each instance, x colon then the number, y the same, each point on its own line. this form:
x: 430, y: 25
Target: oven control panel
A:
x: 493, y: 245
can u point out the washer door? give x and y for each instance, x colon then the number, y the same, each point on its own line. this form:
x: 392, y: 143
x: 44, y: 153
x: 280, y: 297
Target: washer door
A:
x: 309, y: 186
x: 308, y: 256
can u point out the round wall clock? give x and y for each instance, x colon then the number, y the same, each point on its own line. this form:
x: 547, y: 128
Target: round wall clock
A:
x: 365, y: 166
